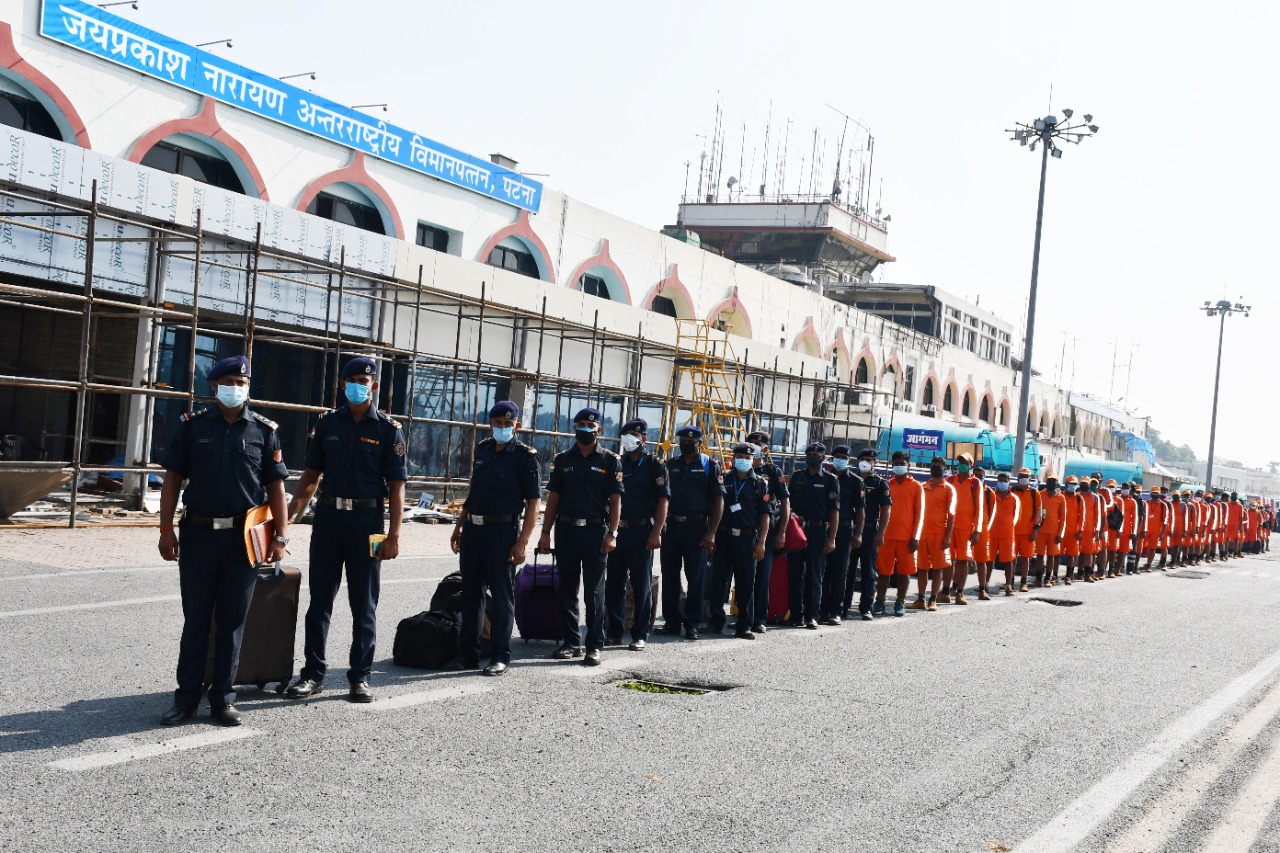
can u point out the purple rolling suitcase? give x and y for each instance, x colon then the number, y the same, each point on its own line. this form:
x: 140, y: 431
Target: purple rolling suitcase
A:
x: 538, y: 601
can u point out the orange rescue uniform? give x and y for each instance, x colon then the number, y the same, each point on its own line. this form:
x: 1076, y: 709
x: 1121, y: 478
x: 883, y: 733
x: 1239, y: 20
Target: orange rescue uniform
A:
x: 907, y: 498
x: 968, y: 513
x: 1071, y: 536
x: 1053, y: 528
x: 1004, y: 523
x: 1028, y: 517
x: 939, y: 508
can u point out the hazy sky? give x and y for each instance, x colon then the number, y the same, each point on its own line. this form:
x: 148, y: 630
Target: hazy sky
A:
x: 1171, y: 204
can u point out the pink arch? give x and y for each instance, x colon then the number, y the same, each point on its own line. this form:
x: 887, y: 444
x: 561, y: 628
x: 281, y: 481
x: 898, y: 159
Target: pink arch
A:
x: 355, y: 173
x: 872, y: 367
x: 203, y: 124
x: 11, y: 59
x: 522, y: 229
x: 601, y: 260
x: 736, y: 304
x: 839, y: 345
x: 807, y: 332
x: 671, y: 282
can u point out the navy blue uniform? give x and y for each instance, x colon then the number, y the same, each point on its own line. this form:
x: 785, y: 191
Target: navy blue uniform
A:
x: 747, y: 499
x: 584, y: 484
x: 227, y: 467
x: 357, y: 460
x: 863, y: 564
x: 813, y: 496
x: 644, y: 480
x: 695, y: 482
x: 505, y: 477
x: 835, y: 578
x: 764, y: 568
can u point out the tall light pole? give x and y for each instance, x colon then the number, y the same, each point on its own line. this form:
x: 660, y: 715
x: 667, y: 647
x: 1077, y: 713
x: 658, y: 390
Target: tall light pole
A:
x: 1221, y: 309
x: 1046, y: 132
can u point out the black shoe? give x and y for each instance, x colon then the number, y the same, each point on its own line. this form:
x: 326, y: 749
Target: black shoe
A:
x: 794, y: 623
x: 758, y: 629
x: 459, y: 663
x: 566, y: 652
x: 811, y: 624
x: 745, y: 635
x: 637, y: 645
x: 867, y: 617
x: 592, y: 658
x: 715, y: 628
x: 305, y: 688
x: 496, y: 668
x: 672, y: 629
x: 177, y: 714
x: 613, y: 640
x: 361, y: 693
x: 691, y: 633
x: 225, y: 715
x: 834, y: 620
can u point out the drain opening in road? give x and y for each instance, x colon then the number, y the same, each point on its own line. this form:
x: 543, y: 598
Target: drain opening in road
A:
x: 1195, y: 576
x: 645, y: 685
x: 1059, y: 602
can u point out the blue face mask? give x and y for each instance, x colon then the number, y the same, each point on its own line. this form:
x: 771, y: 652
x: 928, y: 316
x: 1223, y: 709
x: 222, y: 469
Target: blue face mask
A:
x: 1002, y: 486
x: 232, y: 396
x: 742, y: 465
x: 356, y: 393
x: 503, y: 434
x: 899, y: 470
x: 1071, y: 488
x: 840, y: 464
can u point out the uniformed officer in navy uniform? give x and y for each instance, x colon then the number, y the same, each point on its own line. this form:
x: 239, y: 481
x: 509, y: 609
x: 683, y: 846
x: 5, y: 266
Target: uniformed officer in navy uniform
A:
x: 231, y: 460
x: 848, y: 537
x: 779, y: 516
x: 815, y: 500
x: 862, y: 565
x: 693, y: 516
x: 741, y: 541
x: 644, y: 512
x: 490, y: 538
x: 361, y: 454
x: 584, y: 502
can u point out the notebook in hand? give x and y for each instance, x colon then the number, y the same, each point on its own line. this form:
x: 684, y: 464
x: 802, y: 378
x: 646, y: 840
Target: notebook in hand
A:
x: 259, y: 530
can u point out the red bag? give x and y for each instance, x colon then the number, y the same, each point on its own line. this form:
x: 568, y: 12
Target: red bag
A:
x: 795, y: 538
x: 779, y: 591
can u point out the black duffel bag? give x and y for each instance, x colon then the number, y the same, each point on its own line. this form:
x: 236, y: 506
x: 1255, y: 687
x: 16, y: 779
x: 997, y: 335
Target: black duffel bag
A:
x: 426, y: 641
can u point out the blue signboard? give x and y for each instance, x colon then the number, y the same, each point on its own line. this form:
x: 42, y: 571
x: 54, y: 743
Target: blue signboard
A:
x: 922, y: 440
x: 117, y: 40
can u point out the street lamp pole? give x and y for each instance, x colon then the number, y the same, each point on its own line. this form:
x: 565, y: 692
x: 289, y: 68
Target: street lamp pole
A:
x: 1221, y: 308
x: 1046, y: 132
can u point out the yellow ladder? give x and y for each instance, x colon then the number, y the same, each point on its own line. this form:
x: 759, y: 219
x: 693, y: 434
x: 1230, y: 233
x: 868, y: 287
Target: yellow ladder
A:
x: 700, y: 382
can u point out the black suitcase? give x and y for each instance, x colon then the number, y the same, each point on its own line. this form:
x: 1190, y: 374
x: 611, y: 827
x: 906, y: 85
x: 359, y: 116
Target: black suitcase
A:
x: 266, y: 651
x: 428, y: 640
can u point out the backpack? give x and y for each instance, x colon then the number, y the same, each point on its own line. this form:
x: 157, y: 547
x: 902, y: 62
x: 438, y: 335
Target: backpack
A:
x: 426, y: 641
x: 1115, y: 517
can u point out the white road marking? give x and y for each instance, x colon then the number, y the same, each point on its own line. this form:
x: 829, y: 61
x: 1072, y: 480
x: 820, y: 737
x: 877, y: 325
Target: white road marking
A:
x: 1070, y: 826
x: 172, y: 567
x: 1164, y: 815
x: 1240, y: 828
x: 95, y: 760
x: 434, y: 694
x: 92, y: 605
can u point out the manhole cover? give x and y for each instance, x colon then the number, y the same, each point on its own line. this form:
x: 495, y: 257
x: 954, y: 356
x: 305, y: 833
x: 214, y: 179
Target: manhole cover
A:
x: 1195, y: 576
x: 1059, y: 602
x: 647, y: 685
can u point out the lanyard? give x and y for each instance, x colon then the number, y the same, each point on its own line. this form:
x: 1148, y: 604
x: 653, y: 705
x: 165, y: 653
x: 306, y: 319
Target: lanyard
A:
x: 737, y: 493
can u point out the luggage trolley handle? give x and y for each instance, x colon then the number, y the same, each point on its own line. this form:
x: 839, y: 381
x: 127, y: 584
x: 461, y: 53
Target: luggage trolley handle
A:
x: 551, y: 584
x: 269, y: 572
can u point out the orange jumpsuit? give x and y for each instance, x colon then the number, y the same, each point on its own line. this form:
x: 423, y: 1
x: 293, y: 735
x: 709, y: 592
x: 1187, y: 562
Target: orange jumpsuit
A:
x: 982, y: 551
x: 1178, y: 525
x: 1119, y: 540
x: 939, y: 508
x: 968, y: 512
x: 1028, y: 517
x: 1089, y: 544
x: 1053, y: 528
x: 1157, y: 521
x: 1004, y: 523
x: 1235, y: 517
x: 904, y: 524
x: 1190, y: 535
x: 1072, y: 530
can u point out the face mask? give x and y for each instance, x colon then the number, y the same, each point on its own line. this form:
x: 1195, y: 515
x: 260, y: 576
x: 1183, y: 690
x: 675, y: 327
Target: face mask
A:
x: 1071, y: 489
x: 962, y: 468
x: 1124, y: 492
x: 503, y: 434
x: 1177, y: 499
x: 742, y: 466
x: 1206, y: 500
x: 1002, y: 486
x: 840, y: 464
x: 936, y: 472
x: 356, y: 393
x: 899, y: 470
x: 630, y: 443
x: 814, y: 461
x: 759, y: 454
x: 232, y: 396
x: 585, y: 435
x: 688, y: 448
x: 1051, y: 488
x: 864, y: 466
x: 1022, y: 481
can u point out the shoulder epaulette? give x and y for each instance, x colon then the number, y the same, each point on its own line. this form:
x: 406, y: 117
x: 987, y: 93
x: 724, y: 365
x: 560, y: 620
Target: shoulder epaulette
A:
x: 529, y: 448
x: 186, y: 416
x: 265, y: 421
x: 609, y: 453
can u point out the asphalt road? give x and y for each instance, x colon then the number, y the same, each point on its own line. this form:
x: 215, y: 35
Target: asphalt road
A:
x: 1146, y: 719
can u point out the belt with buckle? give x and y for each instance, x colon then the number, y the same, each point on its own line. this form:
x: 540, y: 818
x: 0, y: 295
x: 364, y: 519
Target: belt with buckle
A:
x: 349, y: 503
x: 213, y: 523
x: 741, y: 531
x: 635, y: 522
x: 482, y: 520
x: 579, y: 522
x: 693, y: 516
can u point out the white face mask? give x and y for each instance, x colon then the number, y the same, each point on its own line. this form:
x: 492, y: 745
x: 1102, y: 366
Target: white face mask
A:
x: 630, y: 443
x: 232, y: 396
x: 864, y: 466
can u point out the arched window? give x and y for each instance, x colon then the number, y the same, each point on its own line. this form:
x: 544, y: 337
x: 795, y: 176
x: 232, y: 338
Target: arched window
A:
x: 863, y: 374
x: 967, y: 406
x: 27, y: 114
x: 928, y: 394
x: 946, y: 399
x: 663, y: 305
x: 183, y: 154
x: 512, y: 255
x: 594, y: 285
x: 984, y: 412
x: 349, y: 205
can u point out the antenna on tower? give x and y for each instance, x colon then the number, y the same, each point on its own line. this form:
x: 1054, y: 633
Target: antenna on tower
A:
x: 764, y: 163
